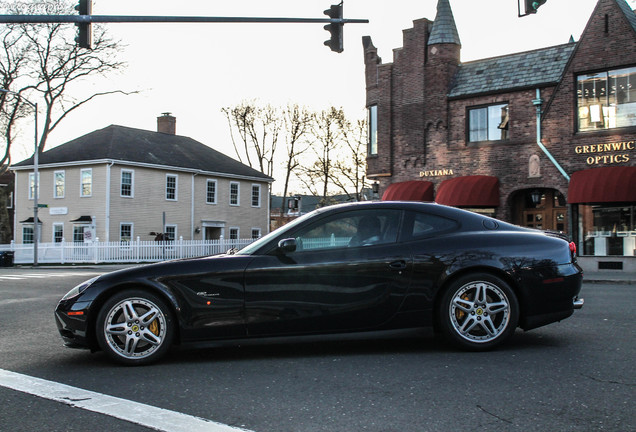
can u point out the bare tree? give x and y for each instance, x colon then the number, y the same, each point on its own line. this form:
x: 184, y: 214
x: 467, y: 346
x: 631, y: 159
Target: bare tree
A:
x: 13, y: 65
x: 59, y: 63
x: 326, y: 136
x: 258, y: 128
x: 297, y: 124
x: 337, y: 159
x: 349, y: 169
x: 50, y: 64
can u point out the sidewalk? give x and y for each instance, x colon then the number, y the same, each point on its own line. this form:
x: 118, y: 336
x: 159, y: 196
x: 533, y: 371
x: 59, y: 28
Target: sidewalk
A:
x: 609, y: 276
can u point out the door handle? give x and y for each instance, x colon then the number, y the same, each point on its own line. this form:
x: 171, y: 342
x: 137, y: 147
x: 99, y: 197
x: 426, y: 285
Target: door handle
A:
x: 398, y: 265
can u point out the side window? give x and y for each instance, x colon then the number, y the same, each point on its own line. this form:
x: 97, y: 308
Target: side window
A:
x: 234, y: 193
x: 421, y: 225
x: 86, y: 185
x: 127, y: 178
x: 358, y: 228
x: 372, y: 130
x: 59, y: 178
x: 171, y: 187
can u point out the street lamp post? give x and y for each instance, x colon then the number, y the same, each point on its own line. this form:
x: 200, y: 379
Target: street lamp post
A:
x: 36, y: 228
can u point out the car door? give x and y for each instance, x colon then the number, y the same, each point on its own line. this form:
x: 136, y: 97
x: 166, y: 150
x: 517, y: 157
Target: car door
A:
x: 331, y: 282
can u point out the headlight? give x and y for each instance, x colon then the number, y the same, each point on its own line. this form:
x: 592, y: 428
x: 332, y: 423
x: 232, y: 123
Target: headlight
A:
x: 79, y: 289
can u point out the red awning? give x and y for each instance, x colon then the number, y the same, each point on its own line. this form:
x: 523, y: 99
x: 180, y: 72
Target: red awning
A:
x: 469, y: 191
x: 414, y: 190
x: 606, y: 184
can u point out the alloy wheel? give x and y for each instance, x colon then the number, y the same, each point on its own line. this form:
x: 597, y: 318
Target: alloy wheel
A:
x: 135, y: 328
x: 479, y: 311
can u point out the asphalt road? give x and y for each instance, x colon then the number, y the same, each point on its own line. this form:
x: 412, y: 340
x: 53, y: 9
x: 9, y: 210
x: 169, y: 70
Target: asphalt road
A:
x: 577, y: 375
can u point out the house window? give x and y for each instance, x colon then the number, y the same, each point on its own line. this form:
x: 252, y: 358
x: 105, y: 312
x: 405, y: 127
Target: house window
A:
x: 607, y: 100
x: 210, y: 197
x: 234, y: 193
x: 171, y: 232
x: 489, y: 123
x: 86, y: 188
x: 10, y: 200
x: 58, y: 233
x: 127, y: 177
x: 234, y: 233
x: 32, y: 185
x: 256, y: 233
x: 171, y: 187
x: 60, y: 184
x: 256, y: 195
x: 125, y: 232
x: 373, y: 130
x: 27, y: 234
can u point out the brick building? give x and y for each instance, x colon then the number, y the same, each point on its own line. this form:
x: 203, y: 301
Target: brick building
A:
x: 544, y: 138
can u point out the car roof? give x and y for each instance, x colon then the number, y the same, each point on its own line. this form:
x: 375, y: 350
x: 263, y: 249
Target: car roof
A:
x: 468, y: 219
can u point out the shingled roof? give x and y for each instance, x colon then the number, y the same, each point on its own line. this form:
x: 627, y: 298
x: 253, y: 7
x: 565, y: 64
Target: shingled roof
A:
x: 444, y: 29
x: 142, y: 147
x: 527, y: 69
x: 629, y: 13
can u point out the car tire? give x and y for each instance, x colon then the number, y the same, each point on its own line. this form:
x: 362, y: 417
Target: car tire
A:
x: 135, y: 327
x: 478, y: 312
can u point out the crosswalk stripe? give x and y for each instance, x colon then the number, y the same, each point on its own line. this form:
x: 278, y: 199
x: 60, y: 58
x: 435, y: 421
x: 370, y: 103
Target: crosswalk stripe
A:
x: 23, y: 276
x: 145, y: 415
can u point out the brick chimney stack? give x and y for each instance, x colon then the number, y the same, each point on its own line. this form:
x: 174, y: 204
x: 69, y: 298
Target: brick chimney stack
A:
x: 167, y: 124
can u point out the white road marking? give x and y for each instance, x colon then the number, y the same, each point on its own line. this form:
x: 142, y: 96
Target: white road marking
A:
x: 145, y: 415
x: 23, y: 276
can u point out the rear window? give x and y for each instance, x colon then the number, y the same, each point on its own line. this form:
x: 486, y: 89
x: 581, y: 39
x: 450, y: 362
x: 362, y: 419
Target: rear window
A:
x: 420, y: 225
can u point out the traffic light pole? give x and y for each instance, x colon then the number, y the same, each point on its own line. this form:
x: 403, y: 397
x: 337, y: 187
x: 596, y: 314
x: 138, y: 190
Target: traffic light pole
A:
x: 84, y: 21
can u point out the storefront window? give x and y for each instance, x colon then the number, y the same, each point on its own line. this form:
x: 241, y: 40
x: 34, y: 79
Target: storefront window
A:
x: 608, y: 230
x: 607, y: 99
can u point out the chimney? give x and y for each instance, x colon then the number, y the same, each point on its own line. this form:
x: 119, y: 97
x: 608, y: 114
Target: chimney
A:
x: 167, y: 124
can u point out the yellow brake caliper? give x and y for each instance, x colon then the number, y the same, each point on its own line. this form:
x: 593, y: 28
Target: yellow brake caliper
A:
x: 154, y: 327
x: 459, y: 314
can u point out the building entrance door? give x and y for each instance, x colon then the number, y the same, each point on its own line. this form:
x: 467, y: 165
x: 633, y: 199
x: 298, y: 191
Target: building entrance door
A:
x: 212, y: 233
x: 534, y: 219
x: 541, y: 209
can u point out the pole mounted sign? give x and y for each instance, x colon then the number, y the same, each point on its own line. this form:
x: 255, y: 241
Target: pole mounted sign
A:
x: 85, y: 18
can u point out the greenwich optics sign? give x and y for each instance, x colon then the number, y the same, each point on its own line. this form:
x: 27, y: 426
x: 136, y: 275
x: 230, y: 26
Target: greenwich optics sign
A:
x: 610, y: 153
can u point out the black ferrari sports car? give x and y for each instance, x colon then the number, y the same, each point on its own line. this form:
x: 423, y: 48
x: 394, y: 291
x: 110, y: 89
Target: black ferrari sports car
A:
x: 347, y: 268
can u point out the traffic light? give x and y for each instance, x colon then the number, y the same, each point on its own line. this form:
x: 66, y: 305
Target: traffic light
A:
x: 335, y: 43
x: 84, y: 37
x: 533, y: 5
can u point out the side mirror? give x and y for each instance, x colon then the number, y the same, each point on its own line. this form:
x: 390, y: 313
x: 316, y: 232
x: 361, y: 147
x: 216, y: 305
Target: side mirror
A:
x: 287, y: 245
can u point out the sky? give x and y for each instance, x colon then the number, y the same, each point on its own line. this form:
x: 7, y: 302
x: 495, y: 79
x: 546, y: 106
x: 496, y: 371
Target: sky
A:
x: 194, y: 70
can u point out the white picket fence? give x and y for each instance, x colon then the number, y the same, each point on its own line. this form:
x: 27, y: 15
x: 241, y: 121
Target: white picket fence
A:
x: 120, y: 252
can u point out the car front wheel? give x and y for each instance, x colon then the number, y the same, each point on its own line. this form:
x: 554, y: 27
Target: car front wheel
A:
x: 135, y: 327
x: 478, y: 312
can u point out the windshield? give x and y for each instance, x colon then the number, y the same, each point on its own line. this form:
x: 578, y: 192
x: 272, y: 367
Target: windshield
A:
x: 253, y: 247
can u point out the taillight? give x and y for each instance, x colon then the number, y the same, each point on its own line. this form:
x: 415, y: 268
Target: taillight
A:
x: 573, y: 248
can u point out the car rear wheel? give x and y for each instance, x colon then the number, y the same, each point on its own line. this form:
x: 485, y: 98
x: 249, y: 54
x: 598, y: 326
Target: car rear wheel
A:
x: 478, y: 312
x: 135, y: 327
